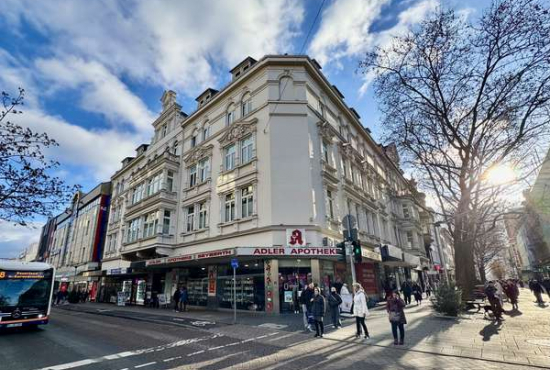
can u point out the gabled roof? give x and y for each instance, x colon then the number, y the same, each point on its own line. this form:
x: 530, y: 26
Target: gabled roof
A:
x: 247, y: 60
x: 205, y: 92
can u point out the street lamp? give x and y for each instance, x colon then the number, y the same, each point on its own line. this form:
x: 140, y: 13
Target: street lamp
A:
x: 74, y: 277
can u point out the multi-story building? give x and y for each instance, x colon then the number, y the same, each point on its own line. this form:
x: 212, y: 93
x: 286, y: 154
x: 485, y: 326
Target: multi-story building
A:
x: 75, y: 246
x: 263, y: 171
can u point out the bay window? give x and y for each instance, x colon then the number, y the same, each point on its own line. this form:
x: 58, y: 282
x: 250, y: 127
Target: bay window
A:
x: 229, y: 157
x: 247, y: 149
x: 166, y: 222
x: 190, y: 218
x: 193, y: 175
x: 229, y: 207
x: 150, y: 224
x: 204, y: 169
x: 203, y: 216
x: 247, y: 202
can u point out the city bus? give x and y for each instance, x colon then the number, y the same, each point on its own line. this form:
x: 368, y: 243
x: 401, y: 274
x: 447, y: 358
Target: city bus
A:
x: 26, y: 290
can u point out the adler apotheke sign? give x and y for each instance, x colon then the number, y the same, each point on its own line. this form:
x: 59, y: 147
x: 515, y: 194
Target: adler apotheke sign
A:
x: 280, y: 251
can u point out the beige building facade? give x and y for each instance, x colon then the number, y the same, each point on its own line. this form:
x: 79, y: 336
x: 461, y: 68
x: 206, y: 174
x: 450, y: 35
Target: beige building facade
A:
x: 263, y: 172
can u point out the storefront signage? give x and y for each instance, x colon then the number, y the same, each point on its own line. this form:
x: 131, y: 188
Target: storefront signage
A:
x: 118, y: 271
x: 392, y: 252
x: 214, y: 254
x: 375, y: 256
x: 411, y: 259
x: 212, y: 275
x: 190, y: 257
x: 296, y: 237
x: 121, y: 299
x: 250, y: 251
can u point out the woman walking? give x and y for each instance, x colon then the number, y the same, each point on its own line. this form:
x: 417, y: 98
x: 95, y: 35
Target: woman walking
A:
x: 417, y: 292
x: 334, y: 301
x: 397, y: 318
x: 318, y: 311
x: 360, y: 310
x: 512, y: 291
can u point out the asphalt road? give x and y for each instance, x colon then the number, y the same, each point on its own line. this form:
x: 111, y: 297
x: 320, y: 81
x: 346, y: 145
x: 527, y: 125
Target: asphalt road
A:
x: 85, y: 341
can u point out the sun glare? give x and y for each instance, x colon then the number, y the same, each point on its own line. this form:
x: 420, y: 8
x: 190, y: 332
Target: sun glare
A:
x: 500, y: 175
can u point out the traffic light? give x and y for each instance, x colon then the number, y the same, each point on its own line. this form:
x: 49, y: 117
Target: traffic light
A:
x: 356, y: 249
x: 341, y: 251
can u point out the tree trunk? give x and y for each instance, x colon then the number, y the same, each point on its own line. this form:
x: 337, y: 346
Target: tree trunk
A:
x: 482, y: 275
x: 464, y: 253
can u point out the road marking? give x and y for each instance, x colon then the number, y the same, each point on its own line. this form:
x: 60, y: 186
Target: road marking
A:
x: 147, y: 364
x: 214, y: 348
x: 72, y: 365
x: 172, y: 359
x: 195, y: 353
x: 281, y: 337
x: 232, y: 344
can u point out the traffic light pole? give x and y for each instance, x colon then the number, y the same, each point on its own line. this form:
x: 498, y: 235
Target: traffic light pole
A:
x: 349, y: 251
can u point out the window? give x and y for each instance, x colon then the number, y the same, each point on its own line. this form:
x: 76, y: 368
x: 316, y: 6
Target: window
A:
x: 205, y: 132
x: 247, y: 149
x: 177, y: 148
x: 133, y: 230
x: 203, y: 214
x: 137, y: 195
x: 87, y: 227
x: 193, y: 175
x: 229, y: 158
x: 193, y: 141
x: 164, y: 130
x: 204, y: 169
x: 150, y: 224
x: 410, y: 239
x: 170, y: 181
x: 325, y: 152
x: 154, y: 183
x: 330, y: 204
x: 166, y: 223
x: 344, y: 168
x: 229, y: 207
x: 359, y: 178
x: 247, y: 201
x: 246, y: 105
x: 406, y: 213
x: 230, y: 118
x: 190, y: 218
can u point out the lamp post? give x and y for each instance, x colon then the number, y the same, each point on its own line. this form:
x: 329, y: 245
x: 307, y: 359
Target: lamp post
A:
x: 74, y: 278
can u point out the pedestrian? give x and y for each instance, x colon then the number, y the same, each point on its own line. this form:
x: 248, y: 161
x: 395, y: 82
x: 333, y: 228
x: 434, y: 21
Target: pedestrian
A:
x: 499, y: 293
x: 406, y: 289
x: 491, y: 293
x: 305, y: 299
x: 59, y: 297
x: 176, y: 300
x: 512, y: 291
x: 428, y: 290
x: 296, y: 299
x: 360, y: 310
x: 334, y: 301
x: 397, y: 318
x: 184, y: 296
x: 417, y: 291
x: 537, y: 289
x: 318, y: 311
x: 546, y: 285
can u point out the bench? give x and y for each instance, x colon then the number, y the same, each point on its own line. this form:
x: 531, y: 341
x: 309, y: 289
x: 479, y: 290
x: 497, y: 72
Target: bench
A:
x: 472, y: 303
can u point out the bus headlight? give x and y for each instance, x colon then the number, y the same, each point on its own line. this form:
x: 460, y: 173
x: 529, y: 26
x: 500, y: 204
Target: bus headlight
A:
x: 40, y: 316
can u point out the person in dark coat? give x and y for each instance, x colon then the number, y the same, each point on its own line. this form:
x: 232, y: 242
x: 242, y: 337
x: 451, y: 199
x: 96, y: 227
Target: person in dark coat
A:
x: 546, y: 285
x: 318, y: 311
x: 184, y: 297
x: 537, y: 289
x: 396, y: 315
x: 428, y: 290
x: 406, y: 289
x: 496, y: 307
x: 334, y: 302
x: 417, y: 291
x: 176, y: 300
x: 512, y: 292
x: 305, y: 301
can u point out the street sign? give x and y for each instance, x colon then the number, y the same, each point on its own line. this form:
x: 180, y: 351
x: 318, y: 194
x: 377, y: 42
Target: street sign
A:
x: 234, y: 263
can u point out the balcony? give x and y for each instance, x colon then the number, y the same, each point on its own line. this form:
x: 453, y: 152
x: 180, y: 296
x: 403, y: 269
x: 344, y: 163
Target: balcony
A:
x: 156, y: 244
x: 159, y: 197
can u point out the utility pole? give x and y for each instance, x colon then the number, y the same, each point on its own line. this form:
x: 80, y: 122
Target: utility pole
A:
x: 348, y: 222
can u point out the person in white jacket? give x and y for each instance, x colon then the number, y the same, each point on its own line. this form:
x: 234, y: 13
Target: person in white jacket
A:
x: 360, y: 310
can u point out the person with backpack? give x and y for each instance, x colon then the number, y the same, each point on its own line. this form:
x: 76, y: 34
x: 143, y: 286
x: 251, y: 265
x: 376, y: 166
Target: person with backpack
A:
x: 334, y: 302
x: 360, y: 310
x: 318, y: 311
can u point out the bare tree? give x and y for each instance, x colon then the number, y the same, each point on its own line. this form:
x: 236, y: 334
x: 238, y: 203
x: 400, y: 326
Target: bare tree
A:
x: 498, y: 269
x: 27, y: 188
x: 461, y: 98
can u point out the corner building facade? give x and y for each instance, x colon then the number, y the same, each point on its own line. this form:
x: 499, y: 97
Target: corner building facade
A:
x: 264, y: 172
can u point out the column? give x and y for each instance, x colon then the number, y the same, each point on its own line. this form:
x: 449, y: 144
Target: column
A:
x: 271, y: 278
x: 316, y: 271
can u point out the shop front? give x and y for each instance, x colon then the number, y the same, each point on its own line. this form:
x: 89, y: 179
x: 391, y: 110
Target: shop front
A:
x: 129, y: 281
x: 394, y: 271
x: 367, y: 272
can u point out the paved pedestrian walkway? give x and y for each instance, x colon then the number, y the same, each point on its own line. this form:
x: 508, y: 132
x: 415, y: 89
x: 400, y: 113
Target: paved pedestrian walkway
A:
x: 523, y: 338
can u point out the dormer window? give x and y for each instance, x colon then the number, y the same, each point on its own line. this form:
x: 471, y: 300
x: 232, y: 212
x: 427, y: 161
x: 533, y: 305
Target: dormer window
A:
x: 230, y: 116
x: 246, y: 105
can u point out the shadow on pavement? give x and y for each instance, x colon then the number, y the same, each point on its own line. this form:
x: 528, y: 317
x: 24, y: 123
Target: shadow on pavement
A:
x: 489, y: 330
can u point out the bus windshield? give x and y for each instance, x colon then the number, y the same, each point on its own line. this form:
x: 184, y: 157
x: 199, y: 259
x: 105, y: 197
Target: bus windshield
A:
x: 24, y: 292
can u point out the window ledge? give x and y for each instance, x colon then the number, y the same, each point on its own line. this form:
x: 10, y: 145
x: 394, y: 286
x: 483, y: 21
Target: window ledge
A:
x: 194, y: 232
x: 226, y: 172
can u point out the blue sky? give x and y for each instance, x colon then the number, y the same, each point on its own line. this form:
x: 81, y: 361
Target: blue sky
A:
x: 94, y: 70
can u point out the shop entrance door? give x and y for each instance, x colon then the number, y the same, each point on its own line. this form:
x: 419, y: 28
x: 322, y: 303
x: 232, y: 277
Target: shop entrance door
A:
x: 292, y: 280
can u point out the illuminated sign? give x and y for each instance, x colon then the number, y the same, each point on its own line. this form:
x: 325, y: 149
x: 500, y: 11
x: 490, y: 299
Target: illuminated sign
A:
x: 250, y: 251
x: 21, y: 275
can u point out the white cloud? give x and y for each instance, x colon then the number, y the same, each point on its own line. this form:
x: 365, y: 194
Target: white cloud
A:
x: 100, y: 91
x: 345, y: 29
x: 14, y: 238
x: 174, y: 44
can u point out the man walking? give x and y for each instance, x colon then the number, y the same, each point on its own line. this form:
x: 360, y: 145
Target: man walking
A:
x: 176, y: 300
x: 334, y: 301
x: 305, y: 301
x: 406, y: 289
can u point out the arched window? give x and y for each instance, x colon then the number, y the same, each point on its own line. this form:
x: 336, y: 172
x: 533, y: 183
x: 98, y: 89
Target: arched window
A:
x: 230, y: 115
x: 246, y: 104
x: 286, y: 88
